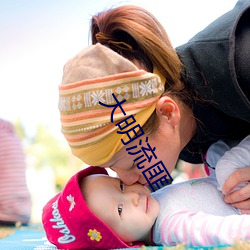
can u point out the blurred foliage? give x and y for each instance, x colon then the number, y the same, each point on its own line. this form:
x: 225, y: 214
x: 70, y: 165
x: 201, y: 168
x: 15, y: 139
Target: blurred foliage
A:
x: 45, y: 150
x: 20, y: 130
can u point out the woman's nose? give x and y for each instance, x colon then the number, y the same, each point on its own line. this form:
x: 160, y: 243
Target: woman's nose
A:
x: 127, y: 177
x: 130, y: 179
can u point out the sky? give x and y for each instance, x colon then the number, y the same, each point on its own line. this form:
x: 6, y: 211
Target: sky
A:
x: 38, y: 37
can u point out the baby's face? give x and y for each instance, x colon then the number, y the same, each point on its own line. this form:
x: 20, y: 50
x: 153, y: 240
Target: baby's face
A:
x: 130, y: 211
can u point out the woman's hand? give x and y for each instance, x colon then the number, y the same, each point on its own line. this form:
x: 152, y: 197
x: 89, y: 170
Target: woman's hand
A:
x: 240, y: 198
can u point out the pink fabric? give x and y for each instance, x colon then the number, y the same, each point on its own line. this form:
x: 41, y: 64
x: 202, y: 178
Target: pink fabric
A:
x: 206, y: 168
x: 15, y: 200
x: 201, y: 229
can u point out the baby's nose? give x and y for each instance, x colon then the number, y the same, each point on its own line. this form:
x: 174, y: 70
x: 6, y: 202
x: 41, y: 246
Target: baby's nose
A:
x: 133, y: 197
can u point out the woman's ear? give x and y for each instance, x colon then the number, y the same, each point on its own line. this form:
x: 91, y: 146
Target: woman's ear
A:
x: 168, y: 109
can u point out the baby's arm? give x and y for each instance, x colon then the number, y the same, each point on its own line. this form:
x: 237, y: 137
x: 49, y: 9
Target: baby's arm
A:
x: 201, y: 229
x: 237, y: 157
x: 214, y: 153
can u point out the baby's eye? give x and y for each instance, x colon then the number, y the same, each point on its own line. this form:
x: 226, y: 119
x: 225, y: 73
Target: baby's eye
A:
x: 121, y: 186
x: 120, y: 206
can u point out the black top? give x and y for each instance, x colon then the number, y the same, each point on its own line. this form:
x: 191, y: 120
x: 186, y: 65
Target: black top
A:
x: 217, y: 67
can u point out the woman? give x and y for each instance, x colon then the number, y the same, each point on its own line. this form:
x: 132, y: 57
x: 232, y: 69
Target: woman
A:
x: 206, y: 96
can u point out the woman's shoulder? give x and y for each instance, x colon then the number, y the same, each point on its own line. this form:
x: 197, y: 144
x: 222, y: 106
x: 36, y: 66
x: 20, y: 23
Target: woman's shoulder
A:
x: 209, y: 65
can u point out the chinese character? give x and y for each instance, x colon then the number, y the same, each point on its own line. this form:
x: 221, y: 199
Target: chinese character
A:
x: 124, y: 124
x: 154, y: 171
x: 144, y: 149
x: 119, y: 104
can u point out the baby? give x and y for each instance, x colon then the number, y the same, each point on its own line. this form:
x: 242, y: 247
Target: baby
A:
x: 96, y: 211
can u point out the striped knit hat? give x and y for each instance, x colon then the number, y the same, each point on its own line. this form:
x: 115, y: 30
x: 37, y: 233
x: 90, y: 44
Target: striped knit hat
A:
x: 94, y: 75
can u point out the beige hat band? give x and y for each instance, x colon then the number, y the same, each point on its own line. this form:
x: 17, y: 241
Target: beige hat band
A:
x: 82, y: 134
x: 85, y: 118
x: 75, y: 100
x: 76, y: 114
x: 98, y: 82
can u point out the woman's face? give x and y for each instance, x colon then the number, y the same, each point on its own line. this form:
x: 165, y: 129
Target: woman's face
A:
x: 151, y: 150
x: 146, y: 156
x: 165, y: 147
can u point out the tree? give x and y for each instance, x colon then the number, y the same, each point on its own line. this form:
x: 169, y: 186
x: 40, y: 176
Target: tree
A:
x: 45, y: 150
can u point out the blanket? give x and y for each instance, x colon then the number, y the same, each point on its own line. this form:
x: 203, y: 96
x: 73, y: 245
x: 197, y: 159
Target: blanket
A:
x: 33, y: 237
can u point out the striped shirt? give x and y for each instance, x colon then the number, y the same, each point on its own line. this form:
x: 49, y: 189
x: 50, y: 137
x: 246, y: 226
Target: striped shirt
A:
x: 15, y: 200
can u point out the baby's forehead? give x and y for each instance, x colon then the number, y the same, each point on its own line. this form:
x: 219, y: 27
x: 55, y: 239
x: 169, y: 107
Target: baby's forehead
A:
x: 95, y: 176
x: 98, y: 177
x: 91, y: 182
x: 98, y: 183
